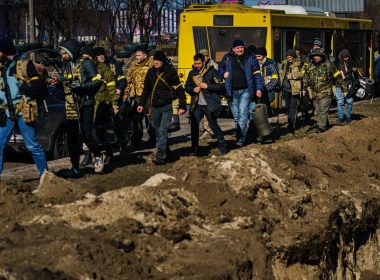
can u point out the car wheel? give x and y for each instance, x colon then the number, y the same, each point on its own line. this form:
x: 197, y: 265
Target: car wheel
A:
x: 61, y: 147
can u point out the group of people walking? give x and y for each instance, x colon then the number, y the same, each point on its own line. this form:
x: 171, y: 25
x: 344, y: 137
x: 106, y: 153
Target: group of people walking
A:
x: 96, y: 91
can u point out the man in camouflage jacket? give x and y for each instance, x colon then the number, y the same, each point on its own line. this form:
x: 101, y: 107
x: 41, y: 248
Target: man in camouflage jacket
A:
x: 291, y: 83
x: 319, y: 79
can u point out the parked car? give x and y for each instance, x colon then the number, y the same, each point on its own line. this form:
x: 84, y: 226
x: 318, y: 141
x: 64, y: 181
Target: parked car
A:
x: 49, y: 127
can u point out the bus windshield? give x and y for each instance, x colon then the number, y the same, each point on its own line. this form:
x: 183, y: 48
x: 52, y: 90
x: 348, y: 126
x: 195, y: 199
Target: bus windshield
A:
x: 220, y: 38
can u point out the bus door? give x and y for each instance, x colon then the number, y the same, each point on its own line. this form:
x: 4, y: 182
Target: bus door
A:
x: 289, y: 41
x: 328, y: 39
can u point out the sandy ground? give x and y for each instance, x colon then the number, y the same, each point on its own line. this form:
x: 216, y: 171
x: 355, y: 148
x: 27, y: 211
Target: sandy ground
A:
x: 305, y: 207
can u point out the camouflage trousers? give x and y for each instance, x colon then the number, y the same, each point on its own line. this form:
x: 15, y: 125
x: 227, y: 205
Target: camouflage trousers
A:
x: 322, y: 107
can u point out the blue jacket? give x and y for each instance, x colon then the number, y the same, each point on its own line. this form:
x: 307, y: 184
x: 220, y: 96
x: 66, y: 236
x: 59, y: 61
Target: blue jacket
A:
x: 251, y: 70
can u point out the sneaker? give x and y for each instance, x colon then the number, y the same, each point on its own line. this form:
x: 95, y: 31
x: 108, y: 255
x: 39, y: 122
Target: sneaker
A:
x: 72, y: 173
x: 239, y: 143
x: 99, y: 164
x: 87, y: 159
x: 340, y: 122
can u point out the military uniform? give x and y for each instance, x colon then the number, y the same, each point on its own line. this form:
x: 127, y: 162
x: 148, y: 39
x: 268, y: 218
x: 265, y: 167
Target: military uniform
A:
x: 319, y: 80
x: 291, y: 74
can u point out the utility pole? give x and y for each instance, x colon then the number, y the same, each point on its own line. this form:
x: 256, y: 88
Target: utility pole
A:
x: 32, y: 30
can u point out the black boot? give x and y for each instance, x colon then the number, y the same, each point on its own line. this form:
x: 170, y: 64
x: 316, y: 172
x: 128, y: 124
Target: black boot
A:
x: 160, y: 157
x: 87, y: 159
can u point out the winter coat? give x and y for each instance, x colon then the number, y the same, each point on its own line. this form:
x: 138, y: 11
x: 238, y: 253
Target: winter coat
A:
x: 251, y: 70
x: 168, y: 87
x: 107, y: 91
x: 269, y: 72
x: 136, y: 75
x: 211, y: 94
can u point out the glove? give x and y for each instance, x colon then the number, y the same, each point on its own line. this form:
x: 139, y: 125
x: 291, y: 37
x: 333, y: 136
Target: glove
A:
x: 75, y: 86
x: 24, y: 89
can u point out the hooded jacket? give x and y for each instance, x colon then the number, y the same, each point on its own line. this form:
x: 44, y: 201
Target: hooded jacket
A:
x: 78, y: 71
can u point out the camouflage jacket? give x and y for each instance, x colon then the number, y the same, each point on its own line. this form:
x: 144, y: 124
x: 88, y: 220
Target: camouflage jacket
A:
x: 320, y: 78
x: 107, y: 91
x: 135, y: 77
x: 294, y: 74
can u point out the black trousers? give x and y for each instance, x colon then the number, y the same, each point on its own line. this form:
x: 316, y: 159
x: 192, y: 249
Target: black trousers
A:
x: 291, y: 102
x: 73, y: 142
x: 196, y: 116
x: 87, y: 127
x: 102, y: 122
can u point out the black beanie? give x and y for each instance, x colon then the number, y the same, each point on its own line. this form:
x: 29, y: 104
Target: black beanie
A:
x: 160, y: 55
x: 261, y: 51
x: 99, y: 51
x: 344, y: 53
x: 237, y: 43
x: 291, y: 53
x: 7, y: 47
x: 89, y: 50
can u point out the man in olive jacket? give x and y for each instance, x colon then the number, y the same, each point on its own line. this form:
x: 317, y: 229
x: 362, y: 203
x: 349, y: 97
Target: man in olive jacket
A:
x: 203, y: 85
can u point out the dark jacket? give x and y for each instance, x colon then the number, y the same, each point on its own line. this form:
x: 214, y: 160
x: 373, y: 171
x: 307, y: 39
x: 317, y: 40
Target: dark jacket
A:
x: 214, y: 87
x: 251, y: 70
x: 117, y: 69
x: 168, y: 88
x: 89, y: 80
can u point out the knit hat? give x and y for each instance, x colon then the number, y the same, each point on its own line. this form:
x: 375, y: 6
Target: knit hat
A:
x: 99, y: 51
x: 160, y: 55
x: 291, y: 53
x: 237, y: 43
x: 89, y: 50
x: 318, y: 42
x: 344, y: 53
x: 143, y: 48
x: 7, y: 47
x: 204, y: 52
x: 261, y: 51
x: 72, y: 47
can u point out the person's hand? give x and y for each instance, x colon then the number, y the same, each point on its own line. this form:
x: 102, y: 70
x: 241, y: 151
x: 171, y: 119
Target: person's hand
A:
x: 118, y: 91
x: 203, y: 86
x: 115, y: 109
x: 140, y: 109
x: 226, y: 74
x: 181, y: 112
x: 345, y: 94
x: 259, y: 93
x: 197, y: 89
x: 53, y: 81
x: 354, y: 69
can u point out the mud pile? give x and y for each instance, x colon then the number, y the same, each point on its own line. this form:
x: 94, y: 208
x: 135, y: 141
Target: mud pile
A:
x: 300, y: 209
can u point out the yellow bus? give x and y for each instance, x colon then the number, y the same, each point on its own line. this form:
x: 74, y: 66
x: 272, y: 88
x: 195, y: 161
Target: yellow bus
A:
x: 214, y: 27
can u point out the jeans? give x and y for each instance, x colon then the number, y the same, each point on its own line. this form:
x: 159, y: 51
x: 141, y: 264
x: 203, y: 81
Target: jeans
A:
x: 87, y: 126
x: 340, y: 98
x: 31, y: 142
x: 161, y: 119
x: 196, y: 116
x: 240, y: 107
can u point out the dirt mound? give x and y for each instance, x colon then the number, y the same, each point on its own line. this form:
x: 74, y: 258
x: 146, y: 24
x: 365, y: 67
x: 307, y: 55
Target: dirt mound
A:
x: 300, y: 209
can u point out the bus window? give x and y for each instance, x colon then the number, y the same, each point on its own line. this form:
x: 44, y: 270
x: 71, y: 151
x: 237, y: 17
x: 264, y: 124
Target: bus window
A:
x: 200, y: 38
x: 277, y: 55
x: 221, y: 38
x: 307, y: 36
x: 353, y: 41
